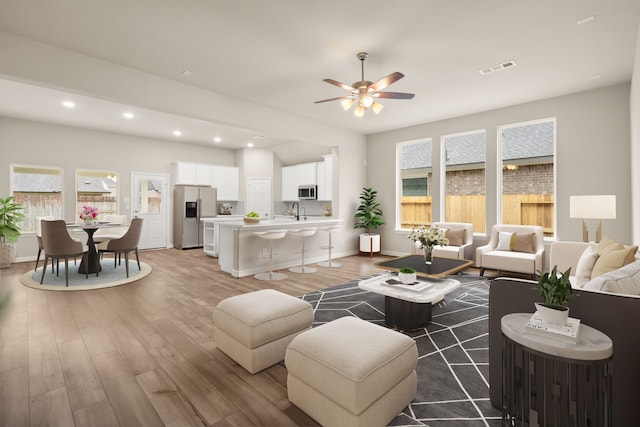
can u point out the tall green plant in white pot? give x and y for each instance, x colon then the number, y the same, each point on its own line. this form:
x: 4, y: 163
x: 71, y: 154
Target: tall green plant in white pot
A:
x: 10, y: 215
x: 369, y: 217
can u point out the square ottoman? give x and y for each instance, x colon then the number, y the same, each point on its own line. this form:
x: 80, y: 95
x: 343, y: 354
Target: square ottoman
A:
x: 350, y: 372
x: 255, y: 328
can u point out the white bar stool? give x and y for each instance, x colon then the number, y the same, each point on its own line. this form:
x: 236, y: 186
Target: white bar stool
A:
x: 271, y: 236
x: 329, y: 262
x: 303, y: 232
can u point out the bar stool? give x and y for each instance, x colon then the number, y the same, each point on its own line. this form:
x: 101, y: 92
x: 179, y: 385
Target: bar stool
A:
x: 329, y: 262
x: 271, y: 236
x: 303, y: 232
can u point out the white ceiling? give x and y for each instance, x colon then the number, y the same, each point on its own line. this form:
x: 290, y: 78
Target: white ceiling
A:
x: 275, y: 53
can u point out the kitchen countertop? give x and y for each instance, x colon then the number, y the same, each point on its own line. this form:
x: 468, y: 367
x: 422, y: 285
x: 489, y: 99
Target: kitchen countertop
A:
x: 281, y: 222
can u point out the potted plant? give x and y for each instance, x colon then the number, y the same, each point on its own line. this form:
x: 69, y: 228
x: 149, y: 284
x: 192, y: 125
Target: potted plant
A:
x: 369, y: 217
x: 407, y: 275
x: 555, y: 291
x: 10, y: 216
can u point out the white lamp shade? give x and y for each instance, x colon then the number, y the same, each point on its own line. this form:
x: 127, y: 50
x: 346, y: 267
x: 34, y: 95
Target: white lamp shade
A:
x: 592, y: 207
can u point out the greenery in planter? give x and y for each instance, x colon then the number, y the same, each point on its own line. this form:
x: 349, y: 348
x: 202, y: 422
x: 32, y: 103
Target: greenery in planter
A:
x: 555, y: 289
x: 407, y: 270
x: 10, y: 215
x: 368, y: 215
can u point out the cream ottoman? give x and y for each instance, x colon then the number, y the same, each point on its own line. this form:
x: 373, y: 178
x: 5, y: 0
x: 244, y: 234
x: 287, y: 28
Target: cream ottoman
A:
x: 350, y: 372
x: 254, y: 329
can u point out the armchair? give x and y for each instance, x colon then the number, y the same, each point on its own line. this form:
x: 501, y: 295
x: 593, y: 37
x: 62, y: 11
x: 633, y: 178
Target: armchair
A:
x: 454, y: 251
x: 522, y: 253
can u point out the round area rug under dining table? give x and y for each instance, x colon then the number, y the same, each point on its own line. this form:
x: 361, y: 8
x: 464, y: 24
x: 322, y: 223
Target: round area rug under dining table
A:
x: 108, y: 277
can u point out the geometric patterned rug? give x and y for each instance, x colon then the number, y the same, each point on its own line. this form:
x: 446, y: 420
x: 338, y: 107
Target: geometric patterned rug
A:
x: 453, y: 353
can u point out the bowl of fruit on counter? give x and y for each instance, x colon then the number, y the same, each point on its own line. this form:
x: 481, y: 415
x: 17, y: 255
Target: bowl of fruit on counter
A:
x: 252, y: 218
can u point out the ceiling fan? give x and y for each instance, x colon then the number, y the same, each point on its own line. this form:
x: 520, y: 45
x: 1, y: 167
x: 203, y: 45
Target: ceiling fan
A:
x: 363, y: 92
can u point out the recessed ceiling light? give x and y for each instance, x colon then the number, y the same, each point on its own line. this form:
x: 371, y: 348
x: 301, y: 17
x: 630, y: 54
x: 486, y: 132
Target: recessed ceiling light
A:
x: 250, y: 144
x: 128, y: 115
x: 177, y: 132
x: 217, y: 139
x: 69, y: 104
x: 586, y: 20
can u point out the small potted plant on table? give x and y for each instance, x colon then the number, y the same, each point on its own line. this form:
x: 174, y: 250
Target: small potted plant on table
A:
x: 407, y: 275
x: 555, y: 291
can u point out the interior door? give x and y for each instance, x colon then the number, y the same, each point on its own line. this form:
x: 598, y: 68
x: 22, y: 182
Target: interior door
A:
x: 149, y: 201
x: 259, y: 196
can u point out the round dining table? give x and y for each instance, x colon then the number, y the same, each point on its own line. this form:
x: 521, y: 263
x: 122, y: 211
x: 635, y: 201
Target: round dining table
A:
x: 91, y: 263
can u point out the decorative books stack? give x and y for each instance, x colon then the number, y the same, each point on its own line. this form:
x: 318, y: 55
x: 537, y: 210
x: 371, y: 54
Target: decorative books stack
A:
x: 567, y: 332
x: 415, y: 286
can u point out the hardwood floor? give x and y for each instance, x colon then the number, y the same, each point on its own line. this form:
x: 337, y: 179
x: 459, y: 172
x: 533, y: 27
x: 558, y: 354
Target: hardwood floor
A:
x: 142, y: 354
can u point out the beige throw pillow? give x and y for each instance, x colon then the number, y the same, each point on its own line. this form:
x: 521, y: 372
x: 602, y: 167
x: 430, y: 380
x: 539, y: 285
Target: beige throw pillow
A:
x: 456, y: 237
x: 584, y: 268
x: 612, y: 255
x: 523, y: 242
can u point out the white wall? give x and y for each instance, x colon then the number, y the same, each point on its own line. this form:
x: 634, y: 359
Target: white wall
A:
x: 635, y: 143
x: 593, y: 150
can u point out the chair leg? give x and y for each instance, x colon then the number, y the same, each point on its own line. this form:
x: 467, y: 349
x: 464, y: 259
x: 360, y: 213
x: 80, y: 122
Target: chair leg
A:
x: 66, y: 270
x: 481, y: 271
x: 44, y: 269
x: 126, y: 262
x: 138, y: 259
x: 37, y: 259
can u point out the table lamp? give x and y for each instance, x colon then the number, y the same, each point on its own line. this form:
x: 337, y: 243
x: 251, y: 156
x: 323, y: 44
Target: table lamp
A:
x: 592, y: 207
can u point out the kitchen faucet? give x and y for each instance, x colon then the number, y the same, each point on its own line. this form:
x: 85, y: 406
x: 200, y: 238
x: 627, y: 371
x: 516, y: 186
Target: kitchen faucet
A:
x: 304, y: 212
x: 297, y: 206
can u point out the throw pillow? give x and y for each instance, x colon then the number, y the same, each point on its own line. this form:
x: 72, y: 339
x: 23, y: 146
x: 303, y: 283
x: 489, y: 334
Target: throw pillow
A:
x: 625, y: 280
x: 612, y: 255
x: 504, y: 241
x: 584, y: 268
x: 456, y: 237
x: 523, y: 242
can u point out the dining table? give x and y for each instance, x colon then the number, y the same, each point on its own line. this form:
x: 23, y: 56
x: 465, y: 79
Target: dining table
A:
x: 91, y: 263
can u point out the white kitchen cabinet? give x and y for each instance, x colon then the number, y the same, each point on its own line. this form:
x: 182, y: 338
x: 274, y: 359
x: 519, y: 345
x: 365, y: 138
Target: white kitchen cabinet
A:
x: 204, y: 174
x: 307, y: 173
x: 186, y: 173
x: 227, y: 180
x: 325, y: 178
x: 290, y: 183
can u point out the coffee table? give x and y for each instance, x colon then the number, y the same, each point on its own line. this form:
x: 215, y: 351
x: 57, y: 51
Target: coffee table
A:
x: 439, y: 267
x: 408, y: 307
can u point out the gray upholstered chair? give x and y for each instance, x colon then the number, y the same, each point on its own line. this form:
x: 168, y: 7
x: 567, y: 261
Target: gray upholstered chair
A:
x: 39, y: 238
x: 103, y: 234
x: 57, y: 244
x: 127, y: 243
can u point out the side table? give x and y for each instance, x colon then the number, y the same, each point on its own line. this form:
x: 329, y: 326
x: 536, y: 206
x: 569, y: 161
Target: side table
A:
x: 550, y: 382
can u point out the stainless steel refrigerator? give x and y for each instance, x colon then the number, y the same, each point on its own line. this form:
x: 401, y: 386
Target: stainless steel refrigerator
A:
x: 190, y: 204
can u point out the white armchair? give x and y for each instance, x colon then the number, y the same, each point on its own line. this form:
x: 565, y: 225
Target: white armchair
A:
x: 463, y: 251
x: 499, y: 255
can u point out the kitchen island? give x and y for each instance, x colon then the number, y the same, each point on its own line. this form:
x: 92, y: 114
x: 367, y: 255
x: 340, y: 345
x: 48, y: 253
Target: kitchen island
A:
x: 241, y: 253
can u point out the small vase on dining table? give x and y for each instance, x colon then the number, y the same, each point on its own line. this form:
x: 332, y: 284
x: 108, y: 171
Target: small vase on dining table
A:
x: 89, y: 221
x: 428, y: 254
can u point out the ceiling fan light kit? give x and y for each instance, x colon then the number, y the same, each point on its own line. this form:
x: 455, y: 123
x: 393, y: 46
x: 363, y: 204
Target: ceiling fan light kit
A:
x: 364, y: 91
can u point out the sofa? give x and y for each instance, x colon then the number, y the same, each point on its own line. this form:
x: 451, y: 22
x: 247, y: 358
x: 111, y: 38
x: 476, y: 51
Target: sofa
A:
x: 514, y: 248
x: 460, y: 235
x: 596, y: 305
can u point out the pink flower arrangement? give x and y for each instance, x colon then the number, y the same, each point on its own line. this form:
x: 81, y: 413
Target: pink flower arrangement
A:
x: 89, y: 213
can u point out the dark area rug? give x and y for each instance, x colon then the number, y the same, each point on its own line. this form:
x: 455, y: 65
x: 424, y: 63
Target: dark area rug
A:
x: 453, y: 368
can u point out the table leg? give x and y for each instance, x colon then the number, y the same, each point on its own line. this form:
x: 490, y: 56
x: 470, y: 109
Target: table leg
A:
x: 406, y: 315
x: 92, y: 262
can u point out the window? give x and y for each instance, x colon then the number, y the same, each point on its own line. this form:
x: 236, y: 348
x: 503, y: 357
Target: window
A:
x: 415, y: 172
x: 528, y: 174
x: 465, y: 184
x: 39, y: 190
x: 98, y: 189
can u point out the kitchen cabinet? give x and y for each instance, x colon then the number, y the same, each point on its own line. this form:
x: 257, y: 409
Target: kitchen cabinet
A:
x: 325, y: 178
x: 227, y: 180
x: 307, y: 173
x: 290, y: 183
x: 185, y: 173
x: 204, y: 174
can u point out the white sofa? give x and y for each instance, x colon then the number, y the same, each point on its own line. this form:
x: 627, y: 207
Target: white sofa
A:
x: 496, y: 257
x: 623, y: 280
x: 464, y: 251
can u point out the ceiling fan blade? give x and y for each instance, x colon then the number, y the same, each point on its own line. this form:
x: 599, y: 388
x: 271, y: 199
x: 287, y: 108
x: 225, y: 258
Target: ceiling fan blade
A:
x: 340, y: 85
x: 386, y: 81
x: 332, y: 99
x: 393, y: 95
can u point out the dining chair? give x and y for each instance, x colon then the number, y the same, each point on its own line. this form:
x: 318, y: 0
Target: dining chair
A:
x: 125, y: 244
x: 103, y: 235
x: 39, y: 238
x: 57, y: 244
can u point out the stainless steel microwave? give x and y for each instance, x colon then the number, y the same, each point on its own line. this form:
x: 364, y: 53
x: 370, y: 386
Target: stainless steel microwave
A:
x: 307, y: 192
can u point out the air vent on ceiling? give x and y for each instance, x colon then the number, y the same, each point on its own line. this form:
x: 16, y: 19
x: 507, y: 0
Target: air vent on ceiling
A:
x: 498, y: 67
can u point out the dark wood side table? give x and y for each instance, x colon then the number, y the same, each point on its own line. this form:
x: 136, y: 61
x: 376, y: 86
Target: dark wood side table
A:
x: 547, y: 381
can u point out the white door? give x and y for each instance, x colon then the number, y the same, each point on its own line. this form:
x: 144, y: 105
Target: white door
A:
x: 149, y: 201
x: 259, y: 195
